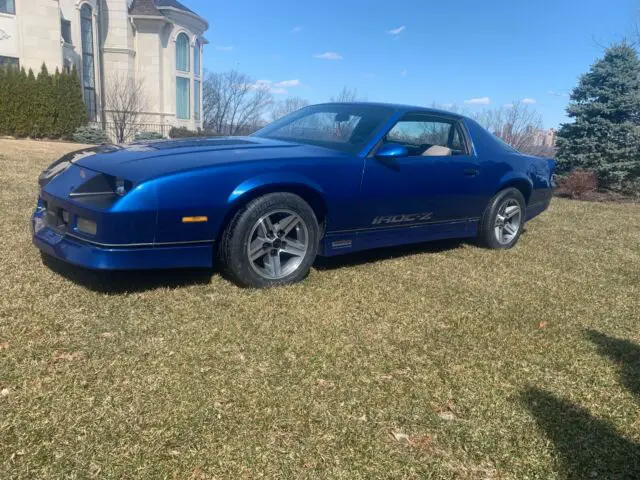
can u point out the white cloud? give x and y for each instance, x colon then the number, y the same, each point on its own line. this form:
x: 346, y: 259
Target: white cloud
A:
x: 328, y: 56
x: 508, y: 105
x: 554, y: 93
x: 478, y: 101
x: 528, y: 101
x: 288, y: 83
x: 297, y: 29
x: 276, y: 88
x: 404, y: 72
x: 222, y: 48
x: 396, y: 31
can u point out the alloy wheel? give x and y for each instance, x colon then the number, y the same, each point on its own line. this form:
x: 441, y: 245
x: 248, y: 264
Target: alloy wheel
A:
x: 508, y: 220
x: 278, y: 243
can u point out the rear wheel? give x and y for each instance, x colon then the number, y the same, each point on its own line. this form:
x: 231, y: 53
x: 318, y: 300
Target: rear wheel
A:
x: 272, y: 241
x: 503, y: 220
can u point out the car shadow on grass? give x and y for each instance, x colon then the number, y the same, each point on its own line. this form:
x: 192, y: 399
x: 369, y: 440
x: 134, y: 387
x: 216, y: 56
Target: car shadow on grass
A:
x: 118, y: 282
x: 587, y: 446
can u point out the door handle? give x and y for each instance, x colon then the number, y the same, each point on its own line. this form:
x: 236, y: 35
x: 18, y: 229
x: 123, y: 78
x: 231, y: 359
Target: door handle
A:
x: 471, y: 172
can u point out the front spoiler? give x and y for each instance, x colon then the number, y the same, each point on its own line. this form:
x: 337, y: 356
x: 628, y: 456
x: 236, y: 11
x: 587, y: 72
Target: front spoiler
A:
x: 87, y: 255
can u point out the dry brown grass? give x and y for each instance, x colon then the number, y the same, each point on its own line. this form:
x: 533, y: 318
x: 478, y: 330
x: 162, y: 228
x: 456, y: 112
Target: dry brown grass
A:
x: 438, y: 361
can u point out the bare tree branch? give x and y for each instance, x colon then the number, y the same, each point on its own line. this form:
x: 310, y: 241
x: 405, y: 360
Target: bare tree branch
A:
x: 233, y: 103
x: 287, y: 106
x: 519, y: 125
x: 347, y: 95
x: 125, y: 104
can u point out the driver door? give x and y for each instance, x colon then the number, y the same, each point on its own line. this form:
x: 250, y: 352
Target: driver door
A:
x: 436, y: 186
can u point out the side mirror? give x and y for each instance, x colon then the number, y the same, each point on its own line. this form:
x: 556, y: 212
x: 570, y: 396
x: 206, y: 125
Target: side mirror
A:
x: 390, y: 151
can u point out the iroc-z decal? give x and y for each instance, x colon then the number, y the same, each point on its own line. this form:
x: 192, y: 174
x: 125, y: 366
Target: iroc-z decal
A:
x: 406, y: 218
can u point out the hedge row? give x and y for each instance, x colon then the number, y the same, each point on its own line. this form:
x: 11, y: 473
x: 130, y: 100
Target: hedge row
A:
x: 46, y: 106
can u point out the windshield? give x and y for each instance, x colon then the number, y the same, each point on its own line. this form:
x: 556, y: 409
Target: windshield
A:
x: 344, y: 127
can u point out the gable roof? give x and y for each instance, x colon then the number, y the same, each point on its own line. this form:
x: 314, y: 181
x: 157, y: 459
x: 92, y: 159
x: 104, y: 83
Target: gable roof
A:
x: 144, y: 7
x: 160, y: 8
x: 173, y: 4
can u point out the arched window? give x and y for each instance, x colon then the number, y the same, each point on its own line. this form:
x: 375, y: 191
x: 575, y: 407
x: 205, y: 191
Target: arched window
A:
x: 196, y: 59
x: 197, y: 72
x: 183, y: 81
x: 88, y: 63
x: 182, y: 53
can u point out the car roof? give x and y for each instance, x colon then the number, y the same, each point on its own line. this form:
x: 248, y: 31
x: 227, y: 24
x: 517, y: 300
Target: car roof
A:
x: 400, y: 108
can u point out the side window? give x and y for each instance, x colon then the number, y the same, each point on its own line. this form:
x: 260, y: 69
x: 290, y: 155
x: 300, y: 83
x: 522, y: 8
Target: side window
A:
x: 426, y: 136
x: 457, y: 144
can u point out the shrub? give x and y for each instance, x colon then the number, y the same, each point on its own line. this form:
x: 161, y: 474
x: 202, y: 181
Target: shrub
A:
x: 90, y: 135
x: 631, y: 187
x: 143, y: 136
x: 49, y: 106
x: 579, y: 182
x: 183, y: 132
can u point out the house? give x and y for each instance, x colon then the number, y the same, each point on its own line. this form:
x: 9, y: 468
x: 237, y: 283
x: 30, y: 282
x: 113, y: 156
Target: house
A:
x: 158, y: 43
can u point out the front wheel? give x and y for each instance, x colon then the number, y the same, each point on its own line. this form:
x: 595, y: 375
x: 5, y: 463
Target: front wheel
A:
x: 272, y: 241
x: 503, y: 220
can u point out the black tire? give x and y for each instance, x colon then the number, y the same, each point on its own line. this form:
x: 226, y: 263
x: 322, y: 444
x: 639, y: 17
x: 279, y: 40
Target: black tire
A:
x: 487, y: 235
x: 233, y: 249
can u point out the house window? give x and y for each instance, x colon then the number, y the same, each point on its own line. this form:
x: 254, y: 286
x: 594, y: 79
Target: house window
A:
x: 182, y: 53
x: 88, y: 63
x: 8, y: 6
x: 196, y: 59
x: 9, y: 62
x: 196, y: 99
x: 182, y: 98
x: 65, y: 29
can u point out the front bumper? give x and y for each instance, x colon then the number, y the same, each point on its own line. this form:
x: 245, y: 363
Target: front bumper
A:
x: 98, y: 257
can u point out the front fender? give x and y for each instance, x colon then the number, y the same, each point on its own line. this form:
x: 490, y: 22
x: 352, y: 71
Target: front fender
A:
x: 272, y: 180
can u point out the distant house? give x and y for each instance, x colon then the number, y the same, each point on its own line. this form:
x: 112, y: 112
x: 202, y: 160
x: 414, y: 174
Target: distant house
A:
x: 158, y: 42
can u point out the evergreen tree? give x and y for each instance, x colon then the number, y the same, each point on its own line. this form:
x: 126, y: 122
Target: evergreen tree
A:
x: 56, y: 108
x: 71, y: 111
x: 23, y: 105
x: 605, y: 134
x: 44, y: 106
x: 3, y: 101
x: 10, y: 101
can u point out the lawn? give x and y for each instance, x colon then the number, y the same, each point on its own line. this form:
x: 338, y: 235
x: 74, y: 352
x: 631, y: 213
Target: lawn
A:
x: 437, y: 361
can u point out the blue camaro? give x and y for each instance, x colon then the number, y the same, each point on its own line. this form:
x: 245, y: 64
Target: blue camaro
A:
x: 326, y: 180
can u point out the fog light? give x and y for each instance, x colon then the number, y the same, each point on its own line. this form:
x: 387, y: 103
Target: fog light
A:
x: 86, y: 226
x: 121, y: 188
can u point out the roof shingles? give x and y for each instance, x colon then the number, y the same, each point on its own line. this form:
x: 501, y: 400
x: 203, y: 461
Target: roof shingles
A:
x: 150, y: 7
x: 144, y: 7
x: 173, y: 4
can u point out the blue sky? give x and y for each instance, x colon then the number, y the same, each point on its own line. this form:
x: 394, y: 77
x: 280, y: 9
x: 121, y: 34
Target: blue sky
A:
x: 486, y: 54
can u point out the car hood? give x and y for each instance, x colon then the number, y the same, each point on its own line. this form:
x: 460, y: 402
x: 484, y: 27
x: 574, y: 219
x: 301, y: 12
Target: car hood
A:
x: 141, y: 161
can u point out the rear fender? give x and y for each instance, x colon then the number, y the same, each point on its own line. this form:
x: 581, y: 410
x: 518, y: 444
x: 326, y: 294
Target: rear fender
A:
x: 519, y: 181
